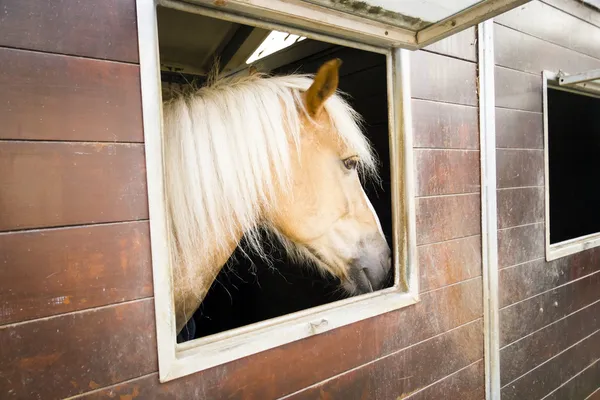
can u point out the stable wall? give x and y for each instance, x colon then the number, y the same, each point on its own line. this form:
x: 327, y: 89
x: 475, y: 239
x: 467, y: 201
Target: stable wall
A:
x: 77, y: 314
x: 550, y: 311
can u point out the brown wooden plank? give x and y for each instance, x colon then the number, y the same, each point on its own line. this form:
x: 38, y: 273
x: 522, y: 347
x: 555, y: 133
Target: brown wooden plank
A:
x: 467, y: 384
x: 74, y: 353
x: 398, y: 375
x: 61, y: 270
x: 460, y: 45
x: 531, y: 351
x: 297, y: 365
x: 526, y: 53
x: 594, y: 396
x: 56, y: 184
x: 446, y: 263
x: 520, y: 206
x: 532, y: 314
x: 448, y: 217
x: 580, y: 386
x: 440, y: 78
x: 544, y: 379
x: 548, y: 23
x: 446, y: 171
x: 529, y: 279
x: 518, y: 90
x: 520, y: 244
x: 443, y: 125
x: 519, y: 129
x: 54, y: 97
x: 517, y: 168
x: 106, y: 29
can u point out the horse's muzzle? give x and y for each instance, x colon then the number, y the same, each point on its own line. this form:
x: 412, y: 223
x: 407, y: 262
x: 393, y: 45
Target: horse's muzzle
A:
x: 370, y: 270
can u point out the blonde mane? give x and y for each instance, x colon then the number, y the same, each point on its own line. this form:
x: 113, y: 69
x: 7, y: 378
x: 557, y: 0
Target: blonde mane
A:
x: 227, y: 150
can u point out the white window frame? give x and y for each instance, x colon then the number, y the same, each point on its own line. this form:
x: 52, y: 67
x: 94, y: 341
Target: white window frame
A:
x: 581, y: 243
x: 177, y: 360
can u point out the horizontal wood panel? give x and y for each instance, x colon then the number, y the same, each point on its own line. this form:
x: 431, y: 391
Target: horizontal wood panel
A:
x: 526, y: 280
x: 444, y: 125
x: 74, y: 353
x: 467, y: 384
x: 106, y: 29
x: 56, y: 184
x: 55, y: 97
x: 548, y: 23
x: 519, y: 51
x: 446, y: 171
x: 517, y: 168
x: 544, y: 379
x: 519, y: 129
x: 440, y: 78
x: 61, y: 270
x: 520, y: 206
x: 446, y: 263
x: 531, y: 351
x: 537, y: 312
x: 518, y: 90
x: 577, y: 9
x: 459, y: 45
x: 520, y: 244
x: 448, y: 217
x: 297, y: 365
x: 580, y: 386
x: 594, y: 396
x: 404, y: 372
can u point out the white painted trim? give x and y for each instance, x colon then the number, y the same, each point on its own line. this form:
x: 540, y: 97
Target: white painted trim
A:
x: 180, y: 360
x: 578, y: 244
x: 489, y: 210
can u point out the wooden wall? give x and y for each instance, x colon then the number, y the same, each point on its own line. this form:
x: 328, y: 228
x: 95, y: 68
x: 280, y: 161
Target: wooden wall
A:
x: 550, y: 312
x: 76, y: 316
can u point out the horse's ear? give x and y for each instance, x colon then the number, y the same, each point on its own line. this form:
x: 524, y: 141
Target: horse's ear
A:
x: 324, y: 85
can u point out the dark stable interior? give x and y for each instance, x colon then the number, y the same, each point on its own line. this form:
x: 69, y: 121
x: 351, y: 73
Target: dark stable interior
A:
x: 248, y: 290
x: 574, y: 159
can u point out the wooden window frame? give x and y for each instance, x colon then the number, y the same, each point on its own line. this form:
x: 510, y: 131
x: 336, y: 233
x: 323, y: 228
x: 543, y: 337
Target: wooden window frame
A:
x: 178, y: 360
x: 576, y: 245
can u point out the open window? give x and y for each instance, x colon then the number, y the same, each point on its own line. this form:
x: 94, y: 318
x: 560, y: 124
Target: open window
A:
x: 254, y: 303
x: 572, y: 150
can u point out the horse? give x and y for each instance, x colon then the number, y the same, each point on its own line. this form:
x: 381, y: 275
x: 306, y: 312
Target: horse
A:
x: 284, y: 155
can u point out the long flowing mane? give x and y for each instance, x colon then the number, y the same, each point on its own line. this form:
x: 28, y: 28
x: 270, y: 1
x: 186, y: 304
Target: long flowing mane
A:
x: 228, y: 147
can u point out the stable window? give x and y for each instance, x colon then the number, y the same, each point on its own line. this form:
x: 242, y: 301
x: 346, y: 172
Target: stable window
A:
x: 572, y: 155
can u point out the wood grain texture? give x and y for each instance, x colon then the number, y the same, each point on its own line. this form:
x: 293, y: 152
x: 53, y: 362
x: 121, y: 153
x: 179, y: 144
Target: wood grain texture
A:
x: 61, y: 270
x: 517, y: 168
x: 580, y: 386
x: 398, y: 375
x: 578, y: 10
x: 519, y: 129
x: 440, y: 78
x: 74, y: 353
x: 466, y: 384
x: 447, y: 217
x: 544, y: 379
x: 460, y: 45
x: 88, y: 28
x: 546, y: 22
x: 57, y: 184
x: 520, y: 206
x: 531, y: 351
x: 441, y: 172
x: 518, y: 90
x: 55, y: 97
x: 594, y: 396
x: 535, y: 277
x: 297, y: 365
x: 520, y: 244
x: 443, y: 125
x: 447, y: 263
x: 537, y: 312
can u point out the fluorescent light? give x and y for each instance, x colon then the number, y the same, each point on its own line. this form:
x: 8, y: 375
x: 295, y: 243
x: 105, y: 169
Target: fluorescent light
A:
x: 273, y: 43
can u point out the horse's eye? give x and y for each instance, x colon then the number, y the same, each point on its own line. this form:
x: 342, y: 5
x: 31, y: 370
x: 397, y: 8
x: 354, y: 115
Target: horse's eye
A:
x: 351, y: 163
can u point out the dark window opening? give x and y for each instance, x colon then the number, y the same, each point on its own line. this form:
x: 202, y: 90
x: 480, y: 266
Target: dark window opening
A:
x: 574, y: 162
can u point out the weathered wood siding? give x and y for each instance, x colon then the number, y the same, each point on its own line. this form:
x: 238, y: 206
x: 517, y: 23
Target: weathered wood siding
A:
x: 77, y: 315
x: 550, y: 312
